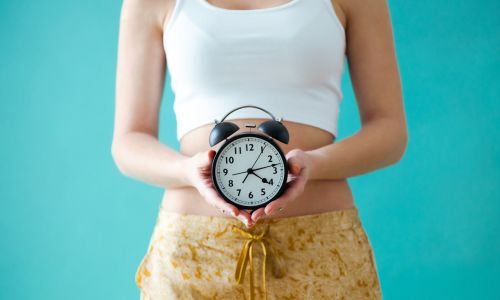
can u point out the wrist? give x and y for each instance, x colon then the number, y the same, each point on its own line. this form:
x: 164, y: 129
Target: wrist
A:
x: 183, y: 171
x: 177, y: 174
x: 316, y: 162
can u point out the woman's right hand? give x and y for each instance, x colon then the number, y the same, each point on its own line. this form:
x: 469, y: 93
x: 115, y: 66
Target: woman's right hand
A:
x: 198, y: 174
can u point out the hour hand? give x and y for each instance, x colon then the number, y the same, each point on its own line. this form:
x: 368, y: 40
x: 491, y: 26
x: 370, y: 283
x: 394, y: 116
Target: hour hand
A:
x: 264, y: 180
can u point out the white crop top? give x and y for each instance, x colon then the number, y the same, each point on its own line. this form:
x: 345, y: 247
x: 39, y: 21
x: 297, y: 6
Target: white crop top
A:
x: 287, y: 59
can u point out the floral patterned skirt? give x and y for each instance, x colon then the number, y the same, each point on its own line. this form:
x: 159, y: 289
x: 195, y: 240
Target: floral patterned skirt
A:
x: 318, y: 256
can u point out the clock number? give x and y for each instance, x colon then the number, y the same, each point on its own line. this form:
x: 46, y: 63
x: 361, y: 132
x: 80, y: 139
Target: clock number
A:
x: 263, y: 191
x: 230, y: 159
x: 251, y: 147
x: 270, y: 158
x: 250, y: 195
x: 239, y: 191
x: 236, y: 150
x: 275, y: 170
x: 225, y: 171
x: 271, y: 182
x: 230, y: 182
x: 261, y: 149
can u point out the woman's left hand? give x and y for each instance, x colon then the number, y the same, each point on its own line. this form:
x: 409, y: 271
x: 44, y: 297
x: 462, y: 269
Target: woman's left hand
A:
x: 299, y: 166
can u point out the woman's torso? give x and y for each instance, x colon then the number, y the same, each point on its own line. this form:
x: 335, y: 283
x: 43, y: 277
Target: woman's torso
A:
x: 318, y: 195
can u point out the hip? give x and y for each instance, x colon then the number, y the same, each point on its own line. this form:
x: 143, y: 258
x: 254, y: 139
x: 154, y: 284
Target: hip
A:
x: 316, y: 256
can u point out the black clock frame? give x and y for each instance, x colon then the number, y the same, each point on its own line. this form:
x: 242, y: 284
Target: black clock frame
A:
x: 243, y: 135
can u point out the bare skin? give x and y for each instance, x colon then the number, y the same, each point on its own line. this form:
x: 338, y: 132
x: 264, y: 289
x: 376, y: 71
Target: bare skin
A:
x: 323, y: 164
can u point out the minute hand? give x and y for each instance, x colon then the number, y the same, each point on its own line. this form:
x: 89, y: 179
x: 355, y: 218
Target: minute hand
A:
x: 272, y: 165
x: 258, y: 156
x: 257, y: 169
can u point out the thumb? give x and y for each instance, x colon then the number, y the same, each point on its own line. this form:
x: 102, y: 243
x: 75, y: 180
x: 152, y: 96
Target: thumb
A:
x: 211, y: 154
x: 295, y: 168
x: 204, y: 158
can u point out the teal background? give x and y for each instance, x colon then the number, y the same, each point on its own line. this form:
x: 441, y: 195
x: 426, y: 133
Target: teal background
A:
x: 73, y: 227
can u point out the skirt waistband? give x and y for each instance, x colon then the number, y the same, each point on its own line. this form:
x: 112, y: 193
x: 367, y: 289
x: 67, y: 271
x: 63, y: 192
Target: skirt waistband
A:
x: 198, y: 226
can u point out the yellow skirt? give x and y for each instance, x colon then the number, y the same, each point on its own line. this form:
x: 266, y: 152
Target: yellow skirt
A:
x: 319, y: 256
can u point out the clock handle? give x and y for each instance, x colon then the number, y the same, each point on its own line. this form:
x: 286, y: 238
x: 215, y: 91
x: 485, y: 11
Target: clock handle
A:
x: 273, y: 128
x: 243, y: 106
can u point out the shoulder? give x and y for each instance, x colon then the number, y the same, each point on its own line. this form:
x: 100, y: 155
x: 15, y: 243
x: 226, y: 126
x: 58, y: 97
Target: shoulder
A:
x: 362, y: 7
x: 338, y: 7
x: 150, y: 11
x: 364, y: 11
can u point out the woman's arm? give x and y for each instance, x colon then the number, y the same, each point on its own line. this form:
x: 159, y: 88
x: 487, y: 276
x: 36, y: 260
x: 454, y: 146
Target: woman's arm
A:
x: 382, y: 140
x: 140, y: 76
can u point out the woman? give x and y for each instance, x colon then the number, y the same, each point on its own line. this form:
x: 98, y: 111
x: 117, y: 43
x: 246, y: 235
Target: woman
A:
x: 285, y: 56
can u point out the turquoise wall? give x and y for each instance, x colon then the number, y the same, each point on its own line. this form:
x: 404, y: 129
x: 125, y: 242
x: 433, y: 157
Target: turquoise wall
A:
x: 73, y: 227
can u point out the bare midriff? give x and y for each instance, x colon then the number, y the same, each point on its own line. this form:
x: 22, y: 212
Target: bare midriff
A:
x: 318, y: 196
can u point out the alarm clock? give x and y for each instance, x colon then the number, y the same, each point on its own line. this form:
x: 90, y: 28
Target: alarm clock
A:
x: 250, y: 169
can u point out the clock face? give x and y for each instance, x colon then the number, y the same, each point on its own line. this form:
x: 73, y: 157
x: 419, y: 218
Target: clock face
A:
x: 249, y: 170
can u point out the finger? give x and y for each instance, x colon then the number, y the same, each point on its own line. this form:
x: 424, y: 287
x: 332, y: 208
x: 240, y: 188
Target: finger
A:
x: 290, y: 193
x: 256, y: 215
x: 205, y: 165
x: 217, y: 201
x: 295, y: 168
x: 276, y: 204
x: 221, y: 203
x: 280, y: 201
x: 211, y: 155
x: 245, y: 217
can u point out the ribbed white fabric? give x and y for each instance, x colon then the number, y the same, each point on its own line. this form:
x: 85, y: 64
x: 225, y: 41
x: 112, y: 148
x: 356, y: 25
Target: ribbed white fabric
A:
x: 288, y: 59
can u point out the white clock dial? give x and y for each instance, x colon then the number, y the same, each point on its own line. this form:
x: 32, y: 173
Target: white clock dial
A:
x: 249, y: 170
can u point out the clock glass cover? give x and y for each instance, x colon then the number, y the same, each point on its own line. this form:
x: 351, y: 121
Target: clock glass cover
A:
x: 249, y: 170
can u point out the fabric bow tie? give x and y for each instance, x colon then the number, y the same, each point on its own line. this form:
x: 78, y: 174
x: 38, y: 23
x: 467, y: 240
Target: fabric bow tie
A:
x: 246, y: 256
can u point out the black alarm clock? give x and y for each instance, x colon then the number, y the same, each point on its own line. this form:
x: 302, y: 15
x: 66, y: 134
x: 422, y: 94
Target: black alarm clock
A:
x: 250, y: 169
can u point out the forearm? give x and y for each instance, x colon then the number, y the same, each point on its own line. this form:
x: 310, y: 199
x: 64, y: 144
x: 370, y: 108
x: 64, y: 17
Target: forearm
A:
x: 378, y: 144
x: 141, y: 156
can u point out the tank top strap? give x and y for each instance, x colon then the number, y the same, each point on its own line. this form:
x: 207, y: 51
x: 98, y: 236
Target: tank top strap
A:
x: 173, y: 15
